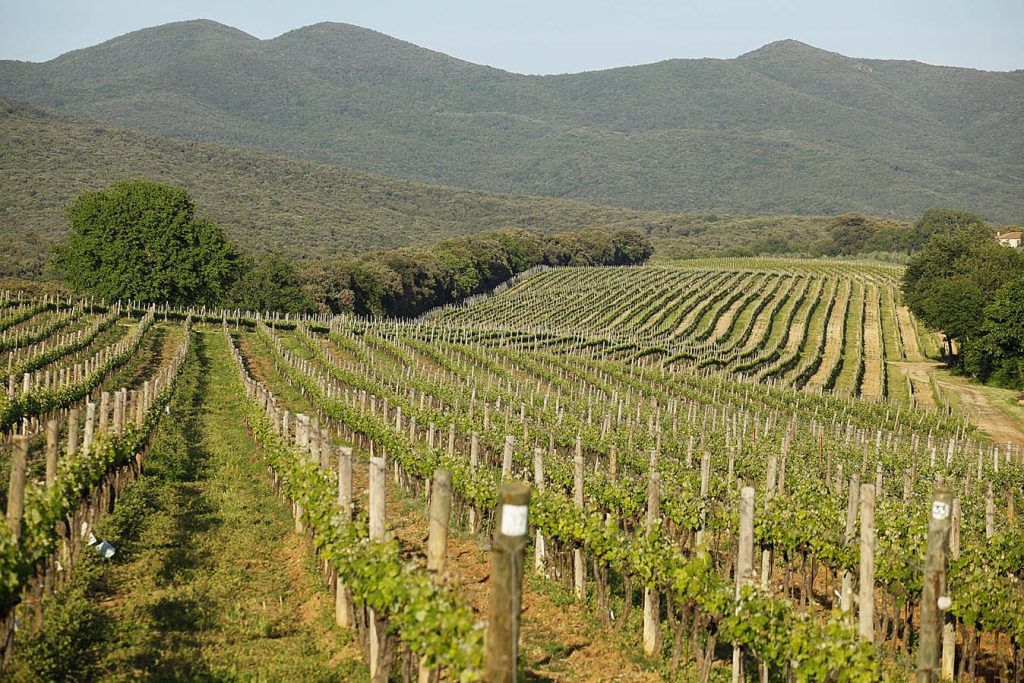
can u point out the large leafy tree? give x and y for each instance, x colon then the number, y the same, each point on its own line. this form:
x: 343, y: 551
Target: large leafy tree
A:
x: 998, y: 351
x: 949, y: 284
x: 142, y: 240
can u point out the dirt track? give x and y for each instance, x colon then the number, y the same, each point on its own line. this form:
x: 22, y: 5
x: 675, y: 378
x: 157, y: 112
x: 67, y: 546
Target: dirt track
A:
x: 990, y: 419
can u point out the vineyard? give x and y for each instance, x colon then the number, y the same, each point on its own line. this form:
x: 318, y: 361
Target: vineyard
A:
x: 733, y: 466
x: 831, y: 326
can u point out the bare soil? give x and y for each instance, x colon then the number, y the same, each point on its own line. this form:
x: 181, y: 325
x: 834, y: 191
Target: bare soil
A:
x: 871, y: 386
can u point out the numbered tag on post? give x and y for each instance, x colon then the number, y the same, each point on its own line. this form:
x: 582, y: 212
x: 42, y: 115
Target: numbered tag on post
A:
x: 940, y: 510
x: 513, y: 520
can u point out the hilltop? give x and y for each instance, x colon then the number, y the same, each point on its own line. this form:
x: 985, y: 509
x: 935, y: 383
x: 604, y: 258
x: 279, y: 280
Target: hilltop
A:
x: 787, y: 128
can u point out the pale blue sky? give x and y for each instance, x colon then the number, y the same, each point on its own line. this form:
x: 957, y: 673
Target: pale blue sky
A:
x: 557, y: 36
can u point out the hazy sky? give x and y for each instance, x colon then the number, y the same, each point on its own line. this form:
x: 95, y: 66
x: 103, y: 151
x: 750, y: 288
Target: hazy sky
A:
x: 557, y: 36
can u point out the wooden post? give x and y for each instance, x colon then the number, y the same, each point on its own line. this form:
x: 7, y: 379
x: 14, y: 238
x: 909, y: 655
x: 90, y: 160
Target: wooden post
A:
x: 506, y: 458
x: 343, y: 597
x: 502, y: 640
x: 104, y: 411
x: 744, y: 565
x: 51, y: 452
x: 948, y: 664
x: 705, y: 480
x: 440, y: 514
x: 72, y: 432
x: 118, y: 412
x: 474, y: 460
x: 652, y: 605
x: 846, y: 591
x: 16, y: 490
x: 140, y: 406
x: 539, y: 553
x: 769, y: 492
x: 934, y: 585
x: 90, y: 427
x: 990, y: 514
x: 866, y: 598
x: 378, y: 476
x: 437, y: 544
x: 579, y: 570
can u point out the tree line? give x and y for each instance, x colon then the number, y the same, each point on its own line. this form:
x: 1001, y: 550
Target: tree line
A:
x: 143, y: 240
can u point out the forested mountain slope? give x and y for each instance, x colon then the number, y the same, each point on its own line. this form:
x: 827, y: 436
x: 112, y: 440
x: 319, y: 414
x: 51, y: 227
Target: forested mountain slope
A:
x: 787, y: 128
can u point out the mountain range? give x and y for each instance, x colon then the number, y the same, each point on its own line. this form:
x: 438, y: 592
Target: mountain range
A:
x: 307, y: 210
x: 785, y: 129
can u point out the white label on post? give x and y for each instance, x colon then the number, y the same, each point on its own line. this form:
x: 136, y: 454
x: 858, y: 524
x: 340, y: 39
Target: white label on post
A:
x: 940, y: 510
x: 513, y: 520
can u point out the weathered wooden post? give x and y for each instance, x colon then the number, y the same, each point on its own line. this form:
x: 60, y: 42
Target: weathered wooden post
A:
x: 437, y: 543
x: 539, y: 554
x: 652, y: 606
x: 579, y: 569
x: 506, y: 458
x: 72, y: 432
x: 343, y: 614
x: 104, y: 411
x: 769, y: 492
x: 866, y: 597
x: 705, y: 481
x: 934, y: 585
x: 510, y: 529
x: 990, y: 514
x: 378, y: 476
x: 846, y: 591
x: 948, y: 664
x: 440, y: 514
x: 51, y: 452
x: 16, y: 489
x: 744, y: 565
x: 474, y: 460
x: 90, y: 427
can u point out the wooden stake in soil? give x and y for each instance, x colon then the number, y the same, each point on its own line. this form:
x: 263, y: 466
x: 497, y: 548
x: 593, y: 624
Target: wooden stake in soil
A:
x: 744, y: 565
x: 378, y: 476
x: 16, y: 490
x: 948, y: 663
x: 510, y: 528
x: 866, y: 598
x: 51, y: 452
x: 539, y: 553
x: 72, y: 432
x: 846, y: 592
x: 437, y: 544
x: 440, y: 515
x: 474, y: 460
x: 705, y: 481
x: 104, y: 411
x: 343, y: 614
x: 652, y: 606
x: 506, y: 458
x: 934, y: 585
x: 578, y: 562
x: 90, y: 427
